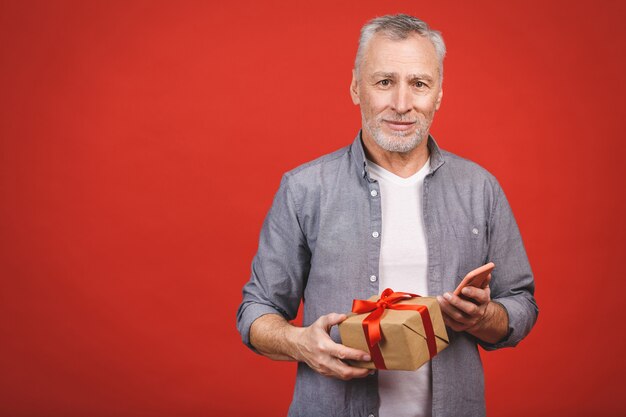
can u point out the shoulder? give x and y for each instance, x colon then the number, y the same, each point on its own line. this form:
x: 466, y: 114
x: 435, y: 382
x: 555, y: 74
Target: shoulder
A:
x: 311, y: 174
x: 464, y: 171
x: 462, y: 166
x: 313, y: 167
x: 308, y: 184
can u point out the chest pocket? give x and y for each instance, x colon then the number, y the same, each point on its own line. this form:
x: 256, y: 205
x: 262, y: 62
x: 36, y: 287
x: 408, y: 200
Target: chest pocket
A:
x: 472, y: 246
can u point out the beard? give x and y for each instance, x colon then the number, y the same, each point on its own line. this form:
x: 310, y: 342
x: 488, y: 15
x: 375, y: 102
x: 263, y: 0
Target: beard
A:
x: 401, y: 142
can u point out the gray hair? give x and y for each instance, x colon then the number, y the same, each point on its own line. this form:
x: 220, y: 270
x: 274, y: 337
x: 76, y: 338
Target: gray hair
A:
x: 398, y: 27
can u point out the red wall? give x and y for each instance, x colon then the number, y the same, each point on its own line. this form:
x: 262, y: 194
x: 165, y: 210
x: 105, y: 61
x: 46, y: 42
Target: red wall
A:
x: 141, y: 144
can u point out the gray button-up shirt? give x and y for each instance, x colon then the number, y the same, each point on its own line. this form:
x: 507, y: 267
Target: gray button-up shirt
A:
x: 320, y: 244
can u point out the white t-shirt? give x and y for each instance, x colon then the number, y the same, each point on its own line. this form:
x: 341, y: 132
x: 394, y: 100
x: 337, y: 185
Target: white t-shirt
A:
x: 403, y: 267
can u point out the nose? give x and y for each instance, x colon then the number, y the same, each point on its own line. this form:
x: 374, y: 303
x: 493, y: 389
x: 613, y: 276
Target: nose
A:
x: 401, y: 101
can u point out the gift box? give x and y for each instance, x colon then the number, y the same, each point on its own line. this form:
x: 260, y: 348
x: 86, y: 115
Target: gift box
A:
x: 400, y: 330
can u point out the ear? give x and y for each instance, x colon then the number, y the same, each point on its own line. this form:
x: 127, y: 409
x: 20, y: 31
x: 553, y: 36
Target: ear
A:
x: 354, y: 89
x: 439, y: 97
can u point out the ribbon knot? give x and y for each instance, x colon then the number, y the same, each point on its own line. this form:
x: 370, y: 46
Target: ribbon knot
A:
x: 371, y: 324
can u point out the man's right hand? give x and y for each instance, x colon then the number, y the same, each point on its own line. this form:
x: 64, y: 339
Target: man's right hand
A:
x: 311, y: 345
x: 315, y: 347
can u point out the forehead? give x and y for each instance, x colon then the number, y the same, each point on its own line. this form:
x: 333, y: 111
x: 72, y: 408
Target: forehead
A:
x: 415, y: 54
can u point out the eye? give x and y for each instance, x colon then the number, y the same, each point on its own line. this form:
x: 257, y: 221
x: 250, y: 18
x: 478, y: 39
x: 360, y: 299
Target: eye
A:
x: 385, y: 83
x: 420, y: 84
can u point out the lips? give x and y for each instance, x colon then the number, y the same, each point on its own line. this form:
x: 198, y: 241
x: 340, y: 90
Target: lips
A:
x: 396, y: 125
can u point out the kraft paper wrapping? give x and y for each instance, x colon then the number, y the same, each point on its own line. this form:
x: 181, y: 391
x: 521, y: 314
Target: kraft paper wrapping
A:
x: 403, y: 345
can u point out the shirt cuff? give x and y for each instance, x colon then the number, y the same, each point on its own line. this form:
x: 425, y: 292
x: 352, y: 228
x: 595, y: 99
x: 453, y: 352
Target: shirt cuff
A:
x: 252, y: 312
x: 515, y: 334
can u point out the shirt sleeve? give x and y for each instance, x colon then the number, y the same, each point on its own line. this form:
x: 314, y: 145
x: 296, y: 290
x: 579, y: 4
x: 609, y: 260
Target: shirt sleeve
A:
x: 512, y: 283
x: 280, y: 267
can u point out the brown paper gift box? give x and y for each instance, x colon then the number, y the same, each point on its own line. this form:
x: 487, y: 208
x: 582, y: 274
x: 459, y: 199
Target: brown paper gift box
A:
x: 403, y: 345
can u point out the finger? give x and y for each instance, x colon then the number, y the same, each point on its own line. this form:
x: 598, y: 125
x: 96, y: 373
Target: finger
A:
x: 459, y: 309
x: 458, y: 315
x: 346, y: 353
x: 345, y: 371
x: 443, y: 303
x: 449, y: 311
x: 446, y: 307
x: 329, y: 320
x: 481, y: 296
x: 453, y: 324
x: 466, y: 307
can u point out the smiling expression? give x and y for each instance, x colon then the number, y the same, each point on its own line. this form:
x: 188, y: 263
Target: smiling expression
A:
x: 398, y: 88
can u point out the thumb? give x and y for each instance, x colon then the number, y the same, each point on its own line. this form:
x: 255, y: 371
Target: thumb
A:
x: 329, y: 320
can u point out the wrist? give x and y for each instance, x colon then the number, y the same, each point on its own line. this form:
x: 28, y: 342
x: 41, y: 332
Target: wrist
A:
x: 493, y: 326
x: 293, y: 335
x: 484, y: 321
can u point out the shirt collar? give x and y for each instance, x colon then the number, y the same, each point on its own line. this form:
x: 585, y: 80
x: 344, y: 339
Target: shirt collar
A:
x: 358, y: 155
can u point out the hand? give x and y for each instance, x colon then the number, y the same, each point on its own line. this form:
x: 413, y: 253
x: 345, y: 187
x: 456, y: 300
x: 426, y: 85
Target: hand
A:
x: 315, y: 347
x: 463, y: 315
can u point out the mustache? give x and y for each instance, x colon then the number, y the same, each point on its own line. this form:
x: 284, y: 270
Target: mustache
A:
x: 398, y: 118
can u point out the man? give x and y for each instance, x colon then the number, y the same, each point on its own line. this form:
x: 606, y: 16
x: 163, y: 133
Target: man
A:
x: 390, y: 210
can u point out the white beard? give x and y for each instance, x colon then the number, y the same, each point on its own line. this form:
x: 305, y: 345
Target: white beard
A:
x: 399, y: 142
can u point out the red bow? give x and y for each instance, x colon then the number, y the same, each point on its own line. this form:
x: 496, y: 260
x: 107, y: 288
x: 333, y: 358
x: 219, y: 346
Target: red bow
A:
x: 371, y: 323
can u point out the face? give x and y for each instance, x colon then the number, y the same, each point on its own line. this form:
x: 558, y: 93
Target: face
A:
x: 398, y: 89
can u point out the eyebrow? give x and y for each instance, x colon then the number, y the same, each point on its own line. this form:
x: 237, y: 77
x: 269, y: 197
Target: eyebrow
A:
x: 384, y: 74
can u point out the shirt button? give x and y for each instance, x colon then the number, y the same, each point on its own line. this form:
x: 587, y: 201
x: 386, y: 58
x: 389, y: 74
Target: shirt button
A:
x: 475, y: 231
x: 375, y: 234
x: 371, y: 415
x: 373, y: 278
x: 374, y: 193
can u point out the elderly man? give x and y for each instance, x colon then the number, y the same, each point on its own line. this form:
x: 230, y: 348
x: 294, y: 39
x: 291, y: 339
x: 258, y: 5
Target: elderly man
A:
x: 390, y: 210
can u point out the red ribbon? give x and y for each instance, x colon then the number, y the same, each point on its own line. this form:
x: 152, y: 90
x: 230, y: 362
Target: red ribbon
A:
x: 371, y: 323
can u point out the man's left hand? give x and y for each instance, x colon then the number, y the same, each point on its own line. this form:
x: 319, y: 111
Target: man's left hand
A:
x: 480, y: 317
x: 462, y: 315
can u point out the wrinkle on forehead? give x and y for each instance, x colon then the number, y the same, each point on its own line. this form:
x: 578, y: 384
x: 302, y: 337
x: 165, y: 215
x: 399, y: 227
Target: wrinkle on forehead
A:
x: 414, y: 55
x: 424, y: 76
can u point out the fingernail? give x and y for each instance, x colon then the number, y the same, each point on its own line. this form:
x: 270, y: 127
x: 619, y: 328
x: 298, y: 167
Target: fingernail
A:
x: 447, y: 296
x: 367, y: 358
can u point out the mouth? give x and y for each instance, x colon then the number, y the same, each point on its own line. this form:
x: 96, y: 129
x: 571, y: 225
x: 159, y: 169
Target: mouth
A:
x: 399, y: 126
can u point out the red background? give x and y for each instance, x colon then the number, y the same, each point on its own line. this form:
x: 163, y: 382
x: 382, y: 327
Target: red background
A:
x: 141, y: 144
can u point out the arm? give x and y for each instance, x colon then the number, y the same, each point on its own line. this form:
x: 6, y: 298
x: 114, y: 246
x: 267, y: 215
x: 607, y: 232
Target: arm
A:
x: 504, y: 312
x: 275, y: 338
x: 273, y: 294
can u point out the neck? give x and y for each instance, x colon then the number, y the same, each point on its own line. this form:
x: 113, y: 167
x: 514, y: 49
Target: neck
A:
x: 402, y: 164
